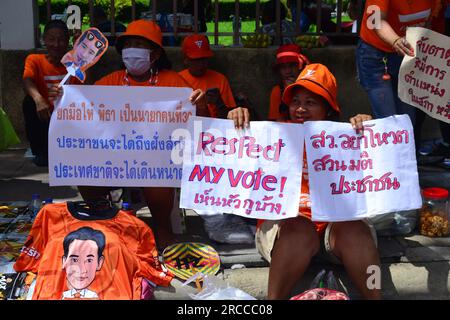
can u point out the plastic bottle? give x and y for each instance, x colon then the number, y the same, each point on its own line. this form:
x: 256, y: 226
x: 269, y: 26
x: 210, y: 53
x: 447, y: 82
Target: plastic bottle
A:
x: 127, y: 208
x: 35, y: 204
x: 48, y: 201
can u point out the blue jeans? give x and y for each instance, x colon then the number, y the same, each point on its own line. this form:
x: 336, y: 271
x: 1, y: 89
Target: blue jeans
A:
x: 383, y: 95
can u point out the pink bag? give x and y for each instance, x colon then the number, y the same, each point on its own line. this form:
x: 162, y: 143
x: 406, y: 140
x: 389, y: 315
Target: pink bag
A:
x: 318, y: 292
x: 321, y: 294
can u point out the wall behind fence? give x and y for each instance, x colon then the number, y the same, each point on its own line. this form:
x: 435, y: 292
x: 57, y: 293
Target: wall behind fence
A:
x: 248, y: 70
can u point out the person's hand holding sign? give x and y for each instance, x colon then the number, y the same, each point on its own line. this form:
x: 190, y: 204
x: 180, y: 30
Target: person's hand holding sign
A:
x: 198, y: 98
x: 403, y: 47
x: 54, y: 92
x: 240, y: 117
x: 357, y: 121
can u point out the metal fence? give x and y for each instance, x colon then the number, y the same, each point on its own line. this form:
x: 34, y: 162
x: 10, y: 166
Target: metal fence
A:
x: 177, y: 30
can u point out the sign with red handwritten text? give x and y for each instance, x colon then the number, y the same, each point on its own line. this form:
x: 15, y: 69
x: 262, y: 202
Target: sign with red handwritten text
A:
x: 117, y: 136
x: 354, y: 175
x: 254, y: 173
x: 424, y: 79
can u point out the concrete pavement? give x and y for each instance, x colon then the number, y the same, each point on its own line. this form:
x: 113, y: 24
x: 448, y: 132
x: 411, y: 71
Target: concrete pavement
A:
x: 413, y: 267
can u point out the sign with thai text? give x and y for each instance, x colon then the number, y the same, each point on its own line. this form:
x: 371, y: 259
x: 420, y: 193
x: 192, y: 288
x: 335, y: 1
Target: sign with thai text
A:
x: 117, y: 136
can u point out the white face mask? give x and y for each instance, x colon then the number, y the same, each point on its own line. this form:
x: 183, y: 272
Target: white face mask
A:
x: 136, y: 60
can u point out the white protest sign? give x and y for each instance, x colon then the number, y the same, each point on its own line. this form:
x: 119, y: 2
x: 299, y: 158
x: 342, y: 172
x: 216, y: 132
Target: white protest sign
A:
x: 354, y: 176
x: 117, y: 136
x: 424, y: 79
x: 254, y: 173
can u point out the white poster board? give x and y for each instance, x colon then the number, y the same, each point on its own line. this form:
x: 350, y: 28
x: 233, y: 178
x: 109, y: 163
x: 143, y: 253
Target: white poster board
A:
x: 357, y: 175
x: 424, y: 80
x: 117, y: 136
x: 254, y: 173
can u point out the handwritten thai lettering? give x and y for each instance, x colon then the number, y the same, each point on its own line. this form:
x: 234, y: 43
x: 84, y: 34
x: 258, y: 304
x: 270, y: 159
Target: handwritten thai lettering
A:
x: 422, y: 84
x: 232, y: 201
x: 326, y: 163
x: 421, y: 101
x: 366, y: 184
x: 433, y: 50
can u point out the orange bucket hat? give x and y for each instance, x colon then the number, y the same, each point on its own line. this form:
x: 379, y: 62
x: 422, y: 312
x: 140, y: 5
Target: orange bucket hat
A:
x: 197, y: 46
x: 317, y: 79
x: 146, y: 29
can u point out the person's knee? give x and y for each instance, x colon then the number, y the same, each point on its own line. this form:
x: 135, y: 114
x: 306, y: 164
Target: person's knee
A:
x: 350, y: 234
x: 301, y: 233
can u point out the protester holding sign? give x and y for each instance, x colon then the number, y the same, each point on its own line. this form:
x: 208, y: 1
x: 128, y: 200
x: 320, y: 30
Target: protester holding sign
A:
x: 42, y: 73
x: 381, y: 50
x: 147, y: 65
x: 290, y: 244
x: 197, y: 52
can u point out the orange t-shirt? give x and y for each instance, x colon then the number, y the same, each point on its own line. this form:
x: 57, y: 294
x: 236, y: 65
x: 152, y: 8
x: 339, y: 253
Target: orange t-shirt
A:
x: 211, y: 79
x: 166, y: 78
x: 43, y: 73
x: 104, y: 257
x: 400, y: 15
x: 274, y: 108
x: 305, y: 199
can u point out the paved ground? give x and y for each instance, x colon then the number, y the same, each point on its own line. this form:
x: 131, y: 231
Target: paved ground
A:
x: 413, y: 267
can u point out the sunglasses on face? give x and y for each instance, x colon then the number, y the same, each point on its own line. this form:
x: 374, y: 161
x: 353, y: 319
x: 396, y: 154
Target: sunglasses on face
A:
x: 98, y: 43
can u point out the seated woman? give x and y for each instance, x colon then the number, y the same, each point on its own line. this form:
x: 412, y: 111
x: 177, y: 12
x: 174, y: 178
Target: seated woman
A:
x: 290, y: 244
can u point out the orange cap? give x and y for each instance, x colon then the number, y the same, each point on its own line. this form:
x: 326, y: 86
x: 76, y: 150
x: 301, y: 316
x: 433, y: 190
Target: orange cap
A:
x: 146, y: 29
x: 197, y: 46
x: 317, y: 79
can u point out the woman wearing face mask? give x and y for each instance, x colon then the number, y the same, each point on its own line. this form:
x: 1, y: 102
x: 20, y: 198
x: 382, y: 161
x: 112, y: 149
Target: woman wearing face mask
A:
x: 146, y: 64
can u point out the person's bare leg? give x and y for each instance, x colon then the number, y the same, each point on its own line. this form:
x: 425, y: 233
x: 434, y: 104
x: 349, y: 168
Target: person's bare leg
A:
x: 353, y: 244
x: 298, y: 242
x: 160, y: 203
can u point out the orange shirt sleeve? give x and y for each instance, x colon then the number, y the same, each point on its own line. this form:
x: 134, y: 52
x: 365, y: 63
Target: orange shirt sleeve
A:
x: 31, y: 67
x: 149, y: 265
x: 34, y: 246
